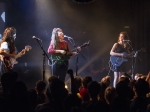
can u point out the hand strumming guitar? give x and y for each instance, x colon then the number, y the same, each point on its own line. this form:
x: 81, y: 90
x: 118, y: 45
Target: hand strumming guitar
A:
x: 123, y: 55
x: 61, y: 51
x: 4, y: 53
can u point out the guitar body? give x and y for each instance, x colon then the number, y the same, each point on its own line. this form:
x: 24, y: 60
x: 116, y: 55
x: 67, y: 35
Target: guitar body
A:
x: 117, y: 60
x: 9, y: 62
x: 60, y: 58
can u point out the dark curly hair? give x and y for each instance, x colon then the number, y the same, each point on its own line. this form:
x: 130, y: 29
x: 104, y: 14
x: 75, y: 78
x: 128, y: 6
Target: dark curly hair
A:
x: 8, y: 37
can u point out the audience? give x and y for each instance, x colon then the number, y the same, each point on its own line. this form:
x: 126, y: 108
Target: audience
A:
x: 41, y: 90
x: 110, y: 95
x: 140, y: 101
x: 86, y: 95
x: 84, y: 91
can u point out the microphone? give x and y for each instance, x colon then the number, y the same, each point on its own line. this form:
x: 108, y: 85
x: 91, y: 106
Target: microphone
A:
x: 36, y: 38
x: 135, y: 55
x: 126, y: 41
x: 68, y: 37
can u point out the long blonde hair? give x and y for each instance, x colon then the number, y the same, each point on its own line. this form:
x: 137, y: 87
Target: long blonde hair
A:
x: 55, y: 39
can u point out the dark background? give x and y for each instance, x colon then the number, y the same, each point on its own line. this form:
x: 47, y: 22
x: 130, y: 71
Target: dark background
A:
x: 100, y: 22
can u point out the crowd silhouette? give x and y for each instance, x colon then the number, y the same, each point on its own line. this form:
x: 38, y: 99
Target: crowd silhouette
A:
x: 87, y: 95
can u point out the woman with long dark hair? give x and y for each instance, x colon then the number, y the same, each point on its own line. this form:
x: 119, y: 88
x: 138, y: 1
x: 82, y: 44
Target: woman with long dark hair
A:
x: 60, y: 53
x: 118, y: 50
x: 7, y: 48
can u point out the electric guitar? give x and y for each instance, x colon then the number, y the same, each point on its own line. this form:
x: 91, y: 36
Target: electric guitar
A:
x: 60, y: 58
x: 9, y: 61
x: 117, y: 60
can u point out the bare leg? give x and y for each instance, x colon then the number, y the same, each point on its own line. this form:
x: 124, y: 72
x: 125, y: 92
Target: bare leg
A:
x: 116, y: 77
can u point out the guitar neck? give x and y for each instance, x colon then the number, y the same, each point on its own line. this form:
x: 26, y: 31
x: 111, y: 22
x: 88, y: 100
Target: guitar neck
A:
x: 76, y: 48
x: 19, y: 54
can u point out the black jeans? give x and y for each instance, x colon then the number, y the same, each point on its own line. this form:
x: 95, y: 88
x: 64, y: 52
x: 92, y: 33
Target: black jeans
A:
x: 3, y: 68
x: 60, y: 70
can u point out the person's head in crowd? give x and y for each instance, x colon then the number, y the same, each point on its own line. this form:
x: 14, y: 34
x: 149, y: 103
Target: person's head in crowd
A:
x: 137, y: 76
x: 84, y: 95
x: 40, y: 86
x: 122, y: 89
x: 106, y: 80
x: 57, y: 90
x: 7, y: 79
x: 127, y: 75
x: 131, y: 84
x: 141, y: 87
x: 32, y: 95
x: 110, y: 94
x: 18, y: 97
x: 52, y: 78
x: 93, y: 90
x: 78, y: 82
x: 84, y: 91
x: 71, y: 101
x: 77, y: 109
x: 124, y: 79
x: 86, y: 80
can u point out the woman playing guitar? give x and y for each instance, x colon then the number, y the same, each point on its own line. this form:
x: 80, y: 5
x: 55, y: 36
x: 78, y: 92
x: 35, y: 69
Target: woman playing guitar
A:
x: 8, y: 48
x: 118, y: 50
x: 60, y: 53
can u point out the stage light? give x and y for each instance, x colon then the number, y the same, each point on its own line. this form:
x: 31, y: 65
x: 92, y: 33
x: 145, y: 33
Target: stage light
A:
x: 83, y: 1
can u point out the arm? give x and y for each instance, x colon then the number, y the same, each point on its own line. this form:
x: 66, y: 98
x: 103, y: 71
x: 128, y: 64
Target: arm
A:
x: 4, y: 53
x: 4, y: 50
x: 51, y: 50
x: 75, y: 53
x: 113, y: 53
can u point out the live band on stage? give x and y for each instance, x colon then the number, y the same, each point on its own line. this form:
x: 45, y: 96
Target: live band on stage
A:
x: 60, y: 52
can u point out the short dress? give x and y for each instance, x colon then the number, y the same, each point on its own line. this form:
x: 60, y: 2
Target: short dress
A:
x: 123, y: 66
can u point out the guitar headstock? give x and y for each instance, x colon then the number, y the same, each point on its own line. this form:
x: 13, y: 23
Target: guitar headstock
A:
x: 28, y: 47
x: 143, y: 49
x: 86, y: 44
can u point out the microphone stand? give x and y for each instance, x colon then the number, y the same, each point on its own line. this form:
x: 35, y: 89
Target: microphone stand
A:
x: 44, y: 56
x: 133, y: 61
x: 73, y: 44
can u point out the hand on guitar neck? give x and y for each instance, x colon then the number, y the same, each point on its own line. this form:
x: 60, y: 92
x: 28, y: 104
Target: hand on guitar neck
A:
x: 23, y: 52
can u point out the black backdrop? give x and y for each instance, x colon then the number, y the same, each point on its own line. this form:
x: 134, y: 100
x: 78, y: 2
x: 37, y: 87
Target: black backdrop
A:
x: 100, y: 22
